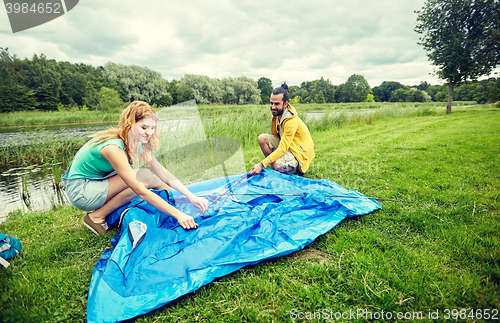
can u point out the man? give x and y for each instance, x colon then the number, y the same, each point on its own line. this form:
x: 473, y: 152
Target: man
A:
x: 290, y: 148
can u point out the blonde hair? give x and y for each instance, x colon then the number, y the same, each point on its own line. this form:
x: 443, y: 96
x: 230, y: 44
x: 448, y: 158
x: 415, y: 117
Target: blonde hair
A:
x: 136, y: 111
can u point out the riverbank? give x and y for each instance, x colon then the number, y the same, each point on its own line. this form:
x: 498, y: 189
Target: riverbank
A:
x: 442, y: 252
x: 29, y: 118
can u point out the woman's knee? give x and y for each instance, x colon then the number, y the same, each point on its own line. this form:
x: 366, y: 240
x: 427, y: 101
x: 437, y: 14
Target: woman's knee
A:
x: 145, y: 176
x: 150, y: 180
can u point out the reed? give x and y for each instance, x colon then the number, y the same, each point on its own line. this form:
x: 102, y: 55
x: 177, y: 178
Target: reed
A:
x: 24, y: 118
x: 27, y: 118
x: 245, y: 127
x: 39, y: 151
x: 25, y: 195
x: 217, y: 110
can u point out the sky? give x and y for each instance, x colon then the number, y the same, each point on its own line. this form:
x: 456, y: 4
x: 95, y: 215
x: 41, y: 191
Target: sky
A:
x: 292, y: 41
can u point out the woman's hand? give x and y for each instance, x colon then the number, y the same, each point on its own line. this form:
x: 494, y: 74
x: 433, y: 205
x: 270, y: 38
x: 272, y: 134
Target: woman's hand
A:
x: 200, y: 202
x: 186, y: 221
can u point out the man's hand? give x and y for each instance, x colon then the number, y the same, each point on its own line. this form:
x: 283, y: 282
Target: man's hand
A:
x: 200, y: 202
x: 256, y: 169
x: 186, y: 221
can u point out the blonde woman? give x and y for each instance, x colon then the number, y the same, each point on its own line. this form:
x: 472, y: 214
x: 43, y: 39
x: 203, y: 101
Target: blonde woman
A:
x: 100, y: 178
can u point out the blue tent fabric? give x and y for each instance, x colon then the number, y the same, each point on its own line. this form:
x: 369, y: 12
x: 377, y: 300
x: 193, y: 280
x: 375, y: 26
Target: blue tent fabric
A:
x: 154, y: 261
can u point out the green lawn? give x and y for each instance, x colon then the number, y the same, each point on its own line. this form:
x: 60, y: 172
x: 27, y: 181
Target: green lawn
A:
x: 440, y: 253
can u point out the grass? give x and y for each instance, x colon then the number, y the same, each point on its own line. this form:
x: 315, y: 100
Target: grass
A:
x: 43, y: 152
x: 26, y: 118
x: 442, y: 252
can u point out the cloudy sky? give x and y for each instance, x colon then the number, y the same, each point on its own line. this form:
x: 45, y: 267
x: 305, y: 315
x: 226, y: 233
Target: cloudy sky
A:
x: 291, y: 41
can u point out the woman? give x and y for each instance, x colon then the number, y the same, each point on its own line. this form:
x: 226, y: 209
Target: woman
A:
x: 101, y: 179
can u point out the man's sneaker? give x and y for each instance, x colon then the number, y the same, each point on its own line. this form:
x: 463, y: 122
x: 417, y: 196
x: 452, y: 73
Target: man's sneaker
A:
x: 97, y: 228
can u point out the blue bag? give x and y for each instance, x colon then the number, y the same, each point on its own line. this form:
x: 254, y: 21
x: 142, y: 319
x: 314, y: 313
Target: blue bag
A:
x: 9, y: 248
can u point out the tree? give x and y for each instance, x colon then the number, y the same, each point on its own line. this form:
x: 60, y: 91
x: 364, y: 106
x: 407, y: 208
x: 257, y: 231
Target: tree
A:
x: 382, y: 93
x: 408, y: 94
x: 493, y: 90
x: 462, y: 39
x: 184, y: 93
x: 246, y: 90
x: 302, y: 93
x: 45, y: 97
x: 293, y: 89
x: 180, y: 92
x: 317, y: 91
x: 240, y: 90
x: 205, y: 89
x: 423, y: 86
x: 355, y: 89
x: 322, y: 91
x: 140, y: 83
x: 433, y: 90
x: 265, y: 86
x: 163, y: 101
x: 14, y: 95
x: 109, y: 99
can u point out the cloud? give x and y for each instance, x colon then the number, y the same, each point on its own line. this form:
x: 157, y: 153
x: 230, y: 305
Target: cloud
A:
x: 295, y: 41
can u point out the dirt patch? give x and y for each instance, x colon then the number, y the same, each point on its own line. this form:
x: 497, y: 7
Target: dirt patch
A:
x: 313, y: 255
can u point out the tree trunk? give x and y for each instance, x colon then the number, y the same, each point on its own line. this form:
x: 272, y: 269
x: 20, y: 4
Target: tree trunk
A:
x: 451, y: 88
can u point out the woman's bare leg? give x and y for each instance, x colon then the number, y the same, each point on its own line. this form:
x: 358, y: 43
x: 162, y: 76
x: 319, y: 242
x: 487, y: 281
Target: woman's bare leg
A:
x: 149, y: 179
x: 119, y: 193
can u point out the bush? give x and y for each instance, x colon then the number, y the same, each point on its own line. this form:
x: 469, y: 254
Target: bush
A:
x: 109, y: 99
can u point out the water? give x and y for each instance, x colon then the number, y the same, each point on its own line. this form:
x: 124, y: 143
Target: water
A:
x: 28, y: 188
x: 12, y: 136
x: 33, y: 187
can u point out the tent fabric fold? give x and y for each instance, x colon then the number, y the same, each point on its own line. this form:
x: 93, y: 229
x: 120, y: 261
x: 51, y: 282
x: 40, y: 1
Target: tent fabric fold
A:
x: 154, y: 261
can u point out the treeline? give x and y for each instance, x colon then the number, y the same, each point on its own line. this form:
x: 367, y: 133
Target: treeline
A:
x: 45, y: 84
x: 356, y: 89
x: 484, y: 91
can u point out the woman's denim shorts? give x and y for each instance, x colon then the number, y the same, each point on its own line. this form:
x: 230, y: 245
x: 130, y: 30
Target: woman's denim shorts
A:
x: 87, y: 194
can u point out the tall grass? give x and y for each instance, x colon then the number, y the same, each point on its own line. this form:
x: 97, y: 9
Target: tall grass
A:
x: 215, y: 110
x: 26, y: 118
x: 42, y: 152
x: 244, y: 127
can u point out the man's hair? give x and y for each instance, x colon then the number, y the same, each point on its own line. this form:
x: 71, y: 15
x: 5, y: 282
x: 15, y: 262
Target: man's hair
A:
x: 283, y: 89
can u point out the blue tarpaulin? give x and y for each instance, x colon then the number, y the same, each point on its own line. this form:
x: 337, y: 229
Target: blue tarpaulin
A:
x: 155, y: 261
